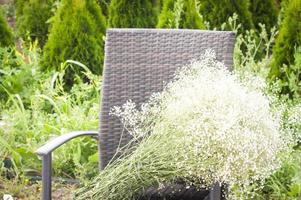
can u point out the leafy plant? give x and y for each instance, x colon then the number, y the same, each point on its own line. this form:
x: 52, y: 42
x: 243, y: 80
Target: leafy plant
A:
x: 133, y: 13
x: 253, y: 51
x: 180, y: 14
x: 43, y: 109
x: 6, y: 35
x: 291, y: 76
x: 17, y: 72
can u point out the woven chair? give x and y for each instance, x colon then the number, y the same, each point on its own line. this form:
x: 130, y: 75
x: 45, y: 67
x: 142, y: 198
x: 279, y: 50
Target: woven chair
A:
x: 138, y: 62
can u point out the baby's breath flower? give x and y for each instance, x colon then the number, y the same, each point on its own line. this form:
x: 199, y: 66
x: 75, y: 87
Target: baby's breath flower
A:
x: 208, y: 125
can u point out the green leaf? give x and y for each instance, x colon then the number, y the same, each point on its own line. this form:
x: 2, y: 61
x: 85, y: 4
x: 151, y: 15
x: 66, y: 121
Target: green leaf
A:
x: 294, y: 190
x: 93, y: 158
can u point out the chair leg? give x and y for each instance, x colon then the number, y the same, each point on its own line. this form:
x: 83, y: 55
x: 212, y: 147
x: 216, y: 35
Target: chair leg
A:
x: 216, y: 192
x: 46, y: 177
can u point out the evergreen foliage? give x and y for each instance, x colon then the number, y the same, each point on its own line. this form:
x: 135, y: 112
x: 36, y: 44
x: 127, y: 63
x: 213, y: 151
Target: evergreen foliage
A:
x: 287, y: 44
x: 216, y: 12
x: 32, y: 17
x: 77, y: 33
x: 6, y: 35
x: 264, y: 12
x: 180, y: 14
x: 104, y: 5
x: 19, y: 5
x: 133, y: 13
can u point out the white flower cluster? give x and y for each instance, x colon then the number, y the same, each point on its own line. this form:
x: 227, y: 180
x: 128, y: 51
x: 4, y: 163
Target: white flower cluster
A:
x: 292, y: 123
x: 222, y: 129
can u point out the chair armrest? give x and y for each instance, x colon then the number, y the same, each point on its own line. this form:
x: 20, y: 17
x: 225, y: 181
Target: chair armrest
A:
x: 46, y: 153
x: 60, y: 140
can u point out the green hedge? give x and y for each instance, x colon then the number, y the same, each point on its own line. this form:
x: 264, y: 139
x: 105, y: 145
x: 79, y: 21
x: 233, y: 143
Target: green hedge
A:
x: 32, y: 16
x: 19, y: 5
x: 265, y: 12
x: 216, y: 12
x: 104, y: 5
x: 180, y: 14
x: 77, y: 33
x: 133, y: 13
x: 288, y: 40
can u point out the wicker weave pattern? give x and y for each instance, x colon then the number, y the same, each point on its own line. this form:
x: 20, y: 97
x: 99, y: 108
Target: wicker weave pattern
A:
x: 139, y: 61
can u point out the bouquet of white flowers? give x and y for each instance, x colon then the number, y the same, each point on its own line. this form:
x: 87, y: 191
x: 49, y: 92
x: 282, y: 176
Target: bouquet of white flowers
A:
x: 206, y: 126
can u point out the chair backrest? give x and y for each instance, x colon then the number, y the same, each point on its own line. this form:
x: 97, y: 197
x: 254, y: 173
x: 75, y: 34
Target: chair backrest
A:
x: 139, y: 61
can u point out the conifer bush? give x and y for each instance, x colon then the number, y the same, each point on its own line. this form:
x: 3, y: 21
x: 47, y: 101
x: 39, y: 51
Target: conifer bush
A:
x: 217, y: 11
x: 180, y: 14
x: 77, y: 33
x: 19, y: 5
x: 287, y: 45
x: 264, y: 12
x: 32, y: 17
x: 6, y: 35
x: 133, y: 13
x: 104, y: 5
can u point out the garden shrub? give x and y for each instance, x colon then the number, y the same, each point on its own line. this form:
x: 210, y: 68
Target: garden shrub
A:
x: 283, y: 3
x: 77, y: 33
x: 217, y: 11
x: 133, y: 13
x: 104, y: 5
x: 19, y: 5
x: 6, y: 35
x: 32, y: 17
x: 180, y: 14
x: 287, y: 47
x: 264, y: 12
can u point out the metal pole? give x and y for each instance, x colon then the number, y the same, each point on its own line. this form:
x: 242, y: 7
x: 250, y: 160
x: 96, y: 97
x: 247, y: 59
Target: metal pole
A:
x: 46, y: 177
x: 216, y: 192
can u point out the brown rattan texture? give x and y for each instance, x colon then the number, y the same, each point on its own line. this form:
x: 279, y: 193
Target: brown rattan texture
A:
x: 139, y: 61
